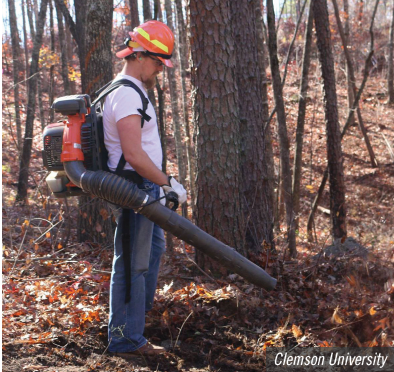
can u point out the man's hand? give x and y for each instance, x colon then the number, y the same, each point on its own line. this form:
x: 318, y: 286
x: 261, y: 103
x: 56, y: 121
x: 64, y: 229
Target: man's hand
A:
x: 175, y: 193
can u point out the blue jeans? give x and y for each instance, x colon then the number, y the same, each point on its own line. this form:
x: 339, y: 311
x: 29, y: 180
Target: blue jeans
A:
x: 127, y: 321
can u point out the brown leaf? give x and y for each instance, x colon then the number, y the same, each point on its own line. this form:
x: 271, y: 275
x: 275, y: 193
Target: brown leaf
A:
x: 336, y: 318
x: 351, y: 280
x: 98, y: 227
x: 166, y: 317
x: 296, y: 331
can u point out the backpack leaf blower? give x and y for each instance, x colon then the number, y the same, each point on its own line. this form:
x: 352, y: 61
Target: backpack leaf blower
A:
x: 72, y: 155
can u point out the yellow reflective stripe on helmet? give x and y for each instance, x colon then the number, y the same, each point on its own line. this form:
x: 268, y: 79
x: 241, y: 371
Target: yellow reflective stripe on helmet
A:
x: 133, y: 44
x: 160, y: 45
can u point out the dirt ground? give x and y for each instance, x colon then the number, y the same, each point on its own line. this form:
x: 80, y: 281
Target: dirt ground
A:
x: 55, y: 309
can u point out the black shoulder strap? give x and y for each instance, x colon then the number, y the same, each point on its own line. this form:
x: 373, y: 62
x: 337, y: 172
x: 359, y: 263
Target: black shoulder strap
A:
x: 107, y: 89
x: 125, y: 82
x: 144, y: 100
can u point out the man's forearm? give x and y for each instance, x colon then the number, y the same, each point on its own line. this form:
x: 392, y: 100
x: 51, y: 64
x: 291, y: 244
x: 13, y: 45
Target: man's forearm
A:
x: 144, y: 166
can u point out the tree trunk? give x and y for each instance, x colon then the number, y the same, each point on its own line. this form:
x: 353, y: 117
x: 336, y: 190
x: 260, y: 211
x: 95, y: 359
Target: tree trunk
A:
x: 157, y: 10
x: 215, y: 114
x: 98, y: 225
x: 334, y: 150
x: 63, y: 52
x: 31, y: 105
x: 367, y: 67
x: 350, y: 95
x: 360, y: 13
x: 16, y: 52
x: 78, y: 32
x: 256, y: 196
x: 30, y: 9
x: 162, y: 124
x: 70, y: 54
x: 30, y: 18
x: 52, y: 68
x: 262, y: 57
x: 25, y: 40
x: 352, y: 79
x: 147, y: 12
x: 282, y: 129
x: 98, y: 29
x: 134, y: 18
x: 297, y: 170
x: 40, y: 102
x: 390, y: 79
x: 183, y: 65
x: 92, y: 31
x: 177, y: 127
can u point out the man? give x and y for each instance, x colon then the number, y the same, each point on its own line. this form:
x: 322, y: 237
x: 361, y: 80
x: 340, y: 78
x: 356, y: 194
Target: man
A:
x: 133, y: 132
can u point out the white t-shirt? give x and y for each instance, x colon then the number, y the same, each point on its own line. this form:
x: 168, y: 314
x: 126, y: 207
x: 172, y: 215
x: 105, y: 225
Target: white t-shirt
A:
x: 122, y: 102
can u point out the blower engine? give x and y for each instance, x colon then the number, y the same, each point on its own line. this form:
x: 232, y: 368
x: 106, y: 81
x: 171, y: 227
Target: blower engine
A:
x: 73, y: 155
x: 78, y: 108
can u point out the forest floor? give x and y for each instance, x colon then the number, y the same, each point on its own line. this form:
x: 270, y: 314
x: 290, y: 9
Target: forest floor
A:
x: 55, y: 290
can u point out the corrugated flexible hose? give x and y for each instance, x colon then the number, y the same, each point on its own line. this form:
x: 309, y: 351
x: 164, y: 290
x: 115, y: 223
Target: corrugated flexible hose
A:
x: 117, y: 190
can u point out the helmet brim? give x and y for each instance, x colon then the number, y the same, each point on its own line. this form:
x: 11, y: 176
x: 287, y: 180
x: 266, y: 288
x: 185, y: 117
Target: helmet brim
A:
x: 167, y: 62
x: 125, y: 52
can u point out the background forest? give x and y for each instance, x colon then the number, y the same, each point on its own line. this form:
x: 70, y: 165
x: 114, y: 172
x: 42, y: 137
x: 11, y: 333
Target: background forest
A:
x: 278, y: 120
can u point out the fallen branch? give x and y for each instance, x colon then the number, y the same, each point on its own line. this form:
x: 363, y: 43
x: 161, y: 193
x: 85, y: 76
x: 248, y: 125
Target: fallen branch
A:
x: 30, y: 342
x: 176, y: 342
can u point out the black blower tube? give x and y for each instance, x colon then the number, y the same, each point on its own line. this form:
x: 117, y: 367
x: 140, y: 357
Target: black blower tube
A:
x: 117, y: 190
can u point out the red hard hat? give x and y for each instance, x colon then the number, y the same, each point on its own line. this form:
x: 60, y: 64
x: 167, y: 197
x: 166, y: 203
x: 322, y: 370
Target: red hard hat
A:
x: 153, y: 37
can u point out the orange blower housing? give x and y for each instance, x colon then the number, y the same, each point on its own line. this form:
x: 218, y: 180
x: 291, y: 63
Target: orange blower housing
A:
x: 70, y: 140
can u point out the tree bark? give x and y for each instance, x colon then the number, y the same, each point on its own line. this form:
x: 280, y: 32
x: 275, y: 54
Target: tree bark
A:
x: 256, y: 196
x: 134, y: 18
x: 215, y: 114
x: 31, y: 105
x: 177, y: 127
x: 63, y: 51
x: 334, y: 150
x: 390, y: 79
x: 282, y: 129
x: 16, y: 52
x: 98, y: 225
x: 297, y: 170
x: 183, y: 65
